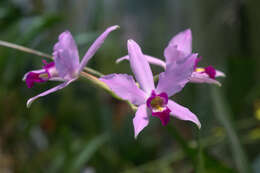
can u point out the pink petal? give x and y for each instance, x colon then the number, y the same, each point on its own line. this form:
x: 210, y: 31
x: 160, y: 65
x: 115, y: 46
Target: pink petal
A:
x: 125, y: 87
x: 141, y: 119
x: 95, y: 46
x: 198, y: 77
x: 172, y: 54
x: 176, y: 75
x: 58, y: 87
x: 66, y: 56
x: 183, y: 41
x: 150, y: 59
x: 182, y: 113
x: 140, y: 67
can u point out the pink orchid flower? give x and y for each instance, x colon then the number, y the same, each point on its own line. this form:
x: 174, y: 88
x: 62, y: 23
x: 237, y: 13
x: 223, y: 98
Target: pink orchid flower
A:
x: 178, y: 48
x: 150, y: 100
x: 66, y: 66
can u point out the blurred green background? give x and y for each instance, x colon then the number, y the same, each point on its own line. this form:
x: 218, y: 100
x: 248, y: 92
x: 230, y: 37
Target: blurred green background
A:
x: 83, y: 129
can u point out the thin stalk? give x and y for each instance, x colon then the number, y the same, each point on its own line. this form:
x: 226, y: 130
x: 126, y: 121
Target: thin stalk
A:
x: 200, y: 166
x: 156, y: 78
x: 93, y: 72
x: 223, y: 114
x: 24, y: 49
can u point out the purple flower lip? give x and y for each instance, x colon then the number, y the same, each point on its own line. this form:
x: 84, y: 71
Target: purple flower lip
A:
x: 164, y: 116
x: 211, y: 72
x: 40, y: 76
x: 48, y: 65
x: 158, y: 105
x: 32, y: 78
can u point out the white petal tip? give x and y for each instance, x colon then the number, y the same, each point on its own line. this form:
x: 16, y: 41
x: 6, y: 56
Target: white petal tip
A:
x: 118, y: 61
x: 188, y: 31
x: 121, y: 59
x: 130, y: 41
x: 115, y: 27
x: 136, y: 134
x: 218, y: 84
x: 28, y: 104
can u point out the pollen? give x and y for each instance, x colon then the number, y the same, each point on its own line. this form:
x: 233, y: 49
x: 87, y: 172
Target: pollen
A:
x: 157, y: 103
x: 200, y: 69
x: 44, y: 76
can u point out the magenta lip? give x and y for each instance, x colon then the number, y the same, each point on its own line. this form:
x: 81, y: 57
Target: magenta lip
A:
x: 32, y: 78
x: 211, y: 72
x: 48, y: 65
x: 164, y: 115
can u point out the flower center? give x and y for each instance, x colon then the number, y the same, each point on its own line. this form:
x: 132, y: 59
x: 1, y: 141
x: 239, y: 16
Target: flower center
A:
x: 157, y: 103
x: 44, y: 75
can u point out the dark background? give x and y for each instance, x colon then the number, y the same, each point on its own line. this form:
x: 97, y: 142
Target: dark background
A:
x: 83, y: 129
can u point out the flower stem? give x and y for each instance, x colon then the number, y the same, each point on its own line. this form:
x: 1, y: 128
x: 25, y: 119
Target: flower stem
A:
x: 24, y: 49
x: 93, y: 72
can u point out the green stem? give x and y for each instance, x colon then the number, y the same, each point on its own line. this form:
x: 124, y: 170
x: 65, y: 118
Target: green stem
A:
x: 24, y: 49
x: 93, y: 72
x: 156, y: 78
x: 223, y: 115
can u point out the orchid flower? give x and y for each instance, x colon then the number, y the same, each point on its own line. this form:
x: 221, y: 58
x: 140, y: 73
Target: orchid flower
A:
x: 150, y: 100
x: 178, y: 48
x: 66, y: 66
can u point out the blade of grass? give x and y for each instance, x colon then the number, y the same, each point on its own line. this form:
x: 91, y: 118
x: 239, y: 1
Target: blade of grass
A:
x: 87, y: 152
x: 201, y: 159
x: 222, y: 114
